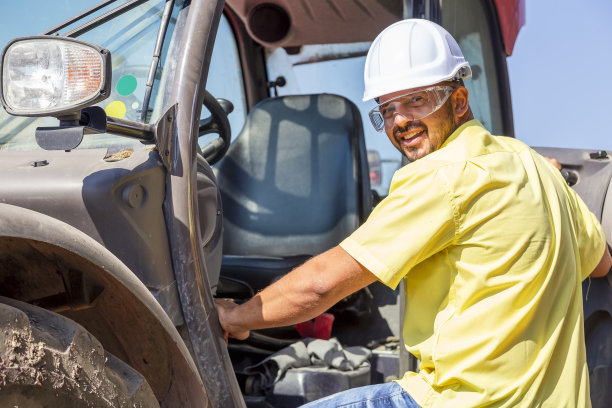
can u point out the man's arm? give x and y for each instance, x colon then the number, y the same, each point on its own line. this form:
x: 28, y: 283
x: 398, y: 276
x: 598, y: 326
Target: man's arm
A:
x: 302, y: 294
x: 604, y: 265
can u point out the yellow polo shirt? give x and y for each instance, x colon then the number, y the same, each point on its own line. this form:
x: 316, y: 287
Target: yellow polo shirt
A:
x: 493, y: 246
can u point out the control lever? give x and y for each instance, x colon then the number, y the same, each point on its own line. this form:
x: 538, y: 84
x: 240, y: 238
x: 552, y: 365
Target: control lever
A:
x: 570, y: 177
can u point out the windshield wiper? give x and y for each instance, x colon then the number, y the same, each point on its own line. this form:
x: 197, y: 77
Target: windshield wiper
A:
x: 159, y: 43
x: 78, y: 17
x: 90, y: 25
x: 124, y: 8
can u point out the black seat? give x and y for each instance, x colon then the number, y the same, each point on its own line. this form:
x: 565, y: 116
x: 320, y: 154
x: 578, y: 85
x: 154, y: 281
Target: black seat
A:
x: 293, y: 184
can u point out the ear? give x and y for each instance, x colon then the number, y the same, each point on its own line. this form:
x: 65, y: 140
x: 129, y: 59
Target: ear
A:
x: 460, y: 101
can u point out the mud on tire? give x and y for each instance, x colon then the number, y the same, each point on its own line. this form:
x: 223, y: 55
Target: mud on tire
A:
x: 47, y: 360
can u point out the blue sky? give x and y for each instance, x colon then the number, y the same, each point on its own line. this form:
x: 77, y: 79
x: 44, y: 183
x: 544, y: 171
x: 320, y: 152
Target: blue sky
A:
x: 560, y: 74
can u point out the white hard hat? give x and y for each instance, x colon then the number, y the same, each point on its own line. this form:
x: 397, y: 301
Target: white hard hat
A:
x: 410, y: 54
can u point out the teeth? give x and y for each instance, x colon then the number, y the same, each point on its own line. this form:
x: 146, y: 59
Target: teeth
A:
x: 411, y: 134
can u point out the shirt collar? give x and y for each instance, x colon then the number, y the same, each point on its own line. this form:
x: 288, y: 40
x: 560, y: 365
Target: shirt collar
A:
x: 459, y: 130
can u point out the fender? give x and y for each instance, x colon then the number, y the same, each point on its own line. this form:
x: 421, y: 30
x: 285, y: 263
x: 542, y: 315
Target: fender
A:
x: 51, y: 264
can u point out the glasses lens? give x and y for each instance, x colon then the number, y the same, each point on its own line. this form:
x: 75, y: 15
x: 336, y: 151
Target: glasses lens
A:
x: 412, y: 106
x: 377, y: 120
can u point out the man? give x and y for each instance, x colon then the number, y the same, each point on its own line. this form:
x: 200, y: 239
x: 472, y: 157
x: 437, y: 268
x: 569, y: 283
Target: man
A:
x: 490, y: 240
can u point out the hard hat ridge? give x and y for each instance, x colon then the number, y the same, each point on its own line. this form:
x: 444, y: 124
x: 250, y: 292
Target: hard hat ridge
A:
x: 410, y: 54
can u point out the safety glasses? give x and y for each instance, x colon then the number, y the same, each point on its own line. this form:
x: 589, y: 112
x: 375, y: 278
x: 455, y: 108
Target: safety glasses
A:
x: 413, y: 106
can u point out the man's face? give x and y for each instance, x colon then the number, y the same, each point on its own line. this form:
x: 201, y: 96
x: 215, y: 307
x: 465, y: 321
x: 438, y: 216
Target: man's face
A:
x: 418, y: 138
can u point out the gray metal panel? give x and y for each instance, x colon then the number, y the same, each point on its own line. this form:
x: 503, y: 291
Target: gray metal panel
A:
x: 594, y: 175
x: 118, y: 203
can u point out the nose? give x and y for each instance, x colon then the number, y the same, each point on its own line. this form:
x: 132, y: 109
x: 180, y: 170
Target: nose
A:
x: 399, y: 119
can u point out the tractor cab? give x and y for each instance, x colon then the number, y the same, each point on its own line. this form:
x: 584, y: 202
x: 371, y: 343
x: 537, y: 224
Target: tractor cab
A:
x: 159, y: 153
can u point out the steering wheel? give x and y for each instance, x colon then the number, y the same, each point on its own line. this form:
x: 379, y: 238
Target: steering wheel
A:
x: 218, y: 123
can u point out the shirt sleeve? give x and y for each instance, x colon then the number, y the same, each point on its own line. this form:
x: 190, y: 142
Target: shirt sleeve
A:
x: 415, y: 221
x: 590, y: 236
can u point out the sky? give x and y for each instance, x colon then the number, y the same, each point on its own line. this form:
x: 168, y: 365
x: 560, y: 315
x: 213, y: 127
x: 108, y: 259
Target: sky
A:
x: 561, y: 74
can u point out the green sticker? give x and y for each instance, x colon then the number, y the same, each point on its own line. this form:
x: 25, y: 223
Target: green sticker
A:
x: 126, y: 84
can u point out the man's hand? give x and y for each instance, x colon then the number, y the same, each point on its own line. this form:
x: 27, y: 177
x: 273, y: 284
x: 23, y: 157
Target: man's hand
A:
x: 554, y: 162
x: 225, y: 308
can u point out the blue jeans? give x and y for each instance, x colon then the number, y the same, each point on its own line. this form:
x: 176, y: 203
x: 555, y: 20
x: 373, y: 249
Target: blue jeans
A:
x: 387, y: 395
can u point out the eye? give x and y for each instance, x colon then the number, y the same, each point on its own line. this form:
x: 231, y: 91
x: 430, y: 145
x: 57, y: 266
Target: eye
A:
x: 387, y: 111
x: 417, y: 100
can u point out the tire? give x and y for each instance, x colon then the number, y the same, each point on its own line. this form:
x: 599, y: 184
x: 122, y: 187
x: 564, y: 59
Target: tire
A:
x: 47, y: 360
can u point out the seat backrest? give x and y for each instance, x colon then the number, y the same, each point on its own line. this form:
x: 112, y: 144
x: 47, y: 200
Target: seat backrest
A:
x: 295, y: 181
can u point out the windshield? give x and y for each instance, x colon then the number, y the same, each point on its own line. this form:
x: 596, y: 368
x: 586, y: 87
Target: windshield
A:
x: 130, y: 35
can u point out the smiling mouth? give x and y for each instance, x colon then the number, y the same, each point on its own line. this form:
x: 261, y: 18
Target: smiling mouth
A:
x: 411, y: 136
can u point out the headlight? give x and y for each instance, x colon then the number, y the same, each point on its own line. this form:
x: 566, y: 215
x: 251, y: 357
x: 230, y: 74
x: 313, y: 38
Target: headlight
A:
x: 49, y: 75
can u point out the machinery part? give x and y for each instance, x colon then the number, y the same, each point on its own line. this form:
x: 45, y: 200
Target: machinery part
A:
x: 218, y: 123
x: 410, y: 54
x: 202, y: 330
x: 269, y: 22
x: 41, y: 261
x: 47, y: 360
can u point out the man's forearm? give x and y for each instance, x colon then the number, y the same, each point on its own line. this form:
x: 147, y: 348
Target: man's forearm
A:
x: 288, y: 301
x: 303, y: 294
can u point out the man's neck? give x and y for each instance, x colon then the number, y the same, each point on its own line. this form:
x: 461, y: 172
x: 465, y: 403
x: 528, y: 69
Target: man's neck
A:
x: 465, y: 118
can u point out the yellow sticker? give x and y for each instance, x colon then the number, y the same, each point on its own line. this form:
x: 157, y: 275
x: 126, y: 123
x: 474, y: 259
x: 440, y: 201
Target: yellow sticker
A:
x: 116, y: 109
